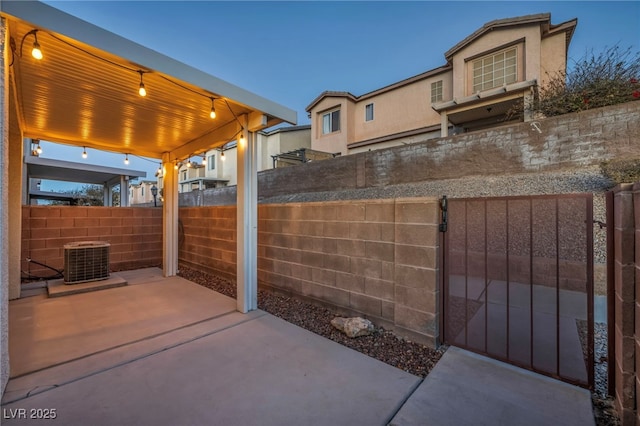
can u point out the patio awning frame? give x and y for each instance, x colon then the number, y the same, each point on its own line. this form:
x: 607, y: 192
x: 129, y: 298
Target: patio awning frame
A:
x: 84, y: 92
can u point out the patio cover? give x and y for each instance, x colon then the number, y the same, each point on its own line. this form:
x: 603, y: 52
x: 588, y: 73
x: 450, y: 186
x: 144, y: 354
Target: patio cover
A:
x: 84, y: 92
x: 47, y: 168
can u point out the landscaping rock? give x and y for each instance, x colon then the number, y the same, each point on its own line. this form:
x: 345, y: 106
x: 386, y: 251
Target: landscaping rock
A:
x: 353, y: 327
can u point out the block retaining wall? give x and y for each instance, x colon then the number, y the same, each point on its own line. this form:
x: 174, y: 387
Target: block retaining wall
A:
x: 567, y: 142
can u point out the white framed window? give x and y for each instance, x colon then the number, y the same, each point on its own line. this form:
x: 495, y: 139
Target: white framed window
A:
x: 331, y: 122
x: 368, y: 112
x: 495, y: 70
x: 142, y: 191
x: 211, y: 162
x: 436, y: 91
x: 184, y: 175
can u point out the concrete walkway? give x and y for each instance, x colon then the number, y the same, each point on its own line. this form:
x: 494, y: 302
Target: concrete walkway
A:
x: 184, y: 356
x: 469, y: 389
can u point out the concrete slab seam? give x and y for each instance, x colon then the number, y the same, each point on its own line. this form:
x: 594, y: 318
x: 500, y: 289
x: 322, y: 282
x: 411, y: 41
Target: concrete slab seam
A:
x: 165, y: 348
x: 397, y: 408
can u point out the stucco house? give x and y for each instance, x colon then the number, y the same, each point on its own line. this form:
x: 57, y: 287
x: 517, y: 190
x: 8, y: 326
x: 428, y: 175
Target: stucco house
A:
x: 218, y: 167
x: 500, y: 65
x: 140, y: 192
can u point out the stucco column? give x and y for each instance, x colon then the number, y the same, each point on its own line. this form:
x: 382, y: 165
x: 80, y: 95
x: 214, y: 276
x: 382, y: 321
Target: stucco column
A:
x: 169, y: 217
x: 444, y: 124
x: 247, y: 218
x: 4, y: 214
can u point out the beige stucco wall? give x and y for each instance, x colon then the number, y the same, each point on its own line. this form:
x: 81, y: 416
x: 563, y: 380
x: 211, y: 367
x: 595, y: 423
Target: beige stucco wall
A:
x: 528, y: 55
x: 405, y: 108
x: 553, y: 58
x: 336, y: 141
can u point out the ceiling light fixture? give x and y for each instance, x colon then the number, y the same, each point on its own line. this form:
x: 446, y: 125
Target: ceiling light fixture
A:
x: 36, y: 52
x: 126, y: 159
x: 222, y: 155
x: 176, y: 166
x: 38, y: 148
x: 189, y: 163
x: 84, y: 152
x: 142, y: 91
x: 212, y: 114
x: 204, y: 160
x: 159, y: 171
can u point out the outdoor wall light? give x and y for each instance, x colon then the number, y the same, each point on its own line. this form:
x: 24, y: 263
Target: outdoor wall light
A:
x: 36, y: 52
x: 212, y: 114
x: 126, y: 159
x: 241, y: 140
x: 142, y: 91
x: 84, y: 152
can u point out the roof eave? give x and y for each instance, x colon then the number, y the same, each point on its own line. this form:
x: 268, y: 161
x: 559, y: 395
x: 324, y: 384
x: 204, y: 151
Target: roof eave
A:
x: 498, y: 23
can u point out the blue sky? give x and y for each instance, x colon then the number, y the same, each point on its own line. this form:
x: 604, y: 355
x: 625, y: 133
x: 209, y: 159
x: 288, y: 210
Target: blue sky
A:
x: 290, y: 52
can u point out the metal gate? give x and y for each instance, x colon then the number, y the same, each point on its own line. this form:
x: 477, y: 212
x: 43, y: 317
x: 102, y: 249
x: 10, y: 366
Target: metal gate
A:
x: 518, y: 281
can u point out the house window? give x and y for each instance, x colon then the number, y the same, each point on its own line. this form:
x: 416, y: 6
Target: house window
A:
x: 211, y: 161
x: 368, y: 112
x: 436, y: 91
x: 495, y: 70
x: 142, y: 191
x: 331, y: 122
x: 184, y: 175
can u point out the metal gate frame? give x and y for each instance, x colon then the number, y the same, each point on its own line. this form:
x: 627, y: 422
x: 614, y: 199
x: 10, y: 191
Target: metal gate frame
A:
x: 445, y: 275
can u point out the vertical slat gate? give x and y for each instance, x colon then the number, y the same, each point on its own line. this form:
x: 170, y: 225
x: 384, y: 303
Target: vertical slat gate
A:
x: 518, y: 282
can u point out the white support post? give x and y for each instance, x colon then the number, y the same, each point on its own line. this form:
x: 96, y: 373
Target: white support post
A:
x: 169, y: 217
x: 107, y: 195
x: 124, y: 191
x: 247, y: 218
x: 4, y: 200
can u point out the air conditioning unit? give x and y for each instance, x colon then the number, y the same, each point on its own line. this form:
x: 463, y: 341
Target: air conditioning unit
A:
x: 86, y: 261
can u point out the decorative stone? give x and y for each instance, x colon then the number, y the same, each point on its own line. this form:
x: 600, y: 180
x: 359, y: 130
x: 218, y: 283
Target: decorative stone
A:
x: 353, y: 327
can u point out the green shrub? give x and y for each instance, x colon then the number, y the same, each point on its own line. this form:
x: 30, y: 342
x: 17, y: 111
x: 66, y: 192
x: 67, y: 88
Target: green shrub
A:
x: 596, y: 80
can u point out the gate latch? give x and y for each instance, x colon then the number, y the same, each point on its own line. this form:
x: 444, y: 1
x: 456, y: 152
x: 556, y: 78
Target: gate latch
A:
x: 443, y: 209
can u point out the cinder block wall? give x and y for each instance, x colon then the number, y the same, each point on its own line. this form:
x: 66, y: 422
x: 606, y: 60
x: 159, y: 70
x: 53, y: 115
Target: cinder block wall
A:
x: 207, y: 240
x: 135, y: 235
x: 627, y: 307
x: 377, y: 258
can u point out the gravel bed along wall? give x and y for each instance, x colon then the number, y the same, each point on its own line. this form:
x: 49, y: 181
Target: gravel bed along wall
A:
x: 382, y: 345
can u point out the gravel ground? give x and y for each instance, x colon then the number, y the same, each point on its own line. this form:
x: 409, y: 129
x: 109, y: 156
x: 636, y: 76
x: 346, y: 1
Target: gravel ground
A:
x: 383, y: 345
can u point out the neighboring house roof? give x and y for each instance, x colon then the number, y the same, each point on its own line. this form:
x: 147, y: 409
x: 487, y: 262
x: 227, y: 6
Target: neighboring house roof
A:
x: 540, y: 18
x: 330, y: 94
x: 393, y: 86
x: 287, y: 129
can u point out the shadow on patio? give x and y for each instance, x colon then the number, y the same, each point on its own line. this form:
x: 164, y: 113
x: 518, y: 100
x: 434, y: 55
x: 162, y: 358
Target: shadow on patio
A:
x: 168, y: 351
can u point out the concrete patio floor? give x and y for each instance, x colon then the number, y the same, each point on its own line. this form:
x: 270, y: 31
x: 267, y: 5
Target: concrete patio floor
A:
x: 165, y: 351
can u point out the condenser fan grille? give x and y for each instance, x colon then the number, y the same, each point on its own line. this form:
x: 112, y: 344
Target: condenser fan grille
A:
x: 86, y: 261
